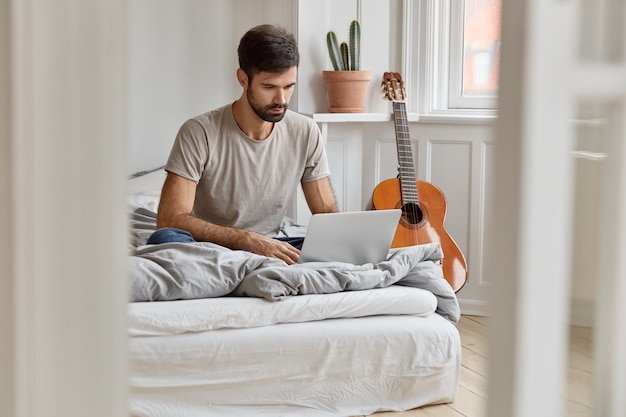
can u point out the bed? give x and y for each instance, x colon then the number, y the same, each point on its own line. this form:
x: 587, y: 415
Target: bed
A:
x: 271, y: 340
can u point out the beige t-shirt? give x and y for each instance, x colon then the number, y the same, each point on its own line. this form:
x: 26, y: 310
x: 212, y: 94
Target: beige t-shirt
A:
x: 243, y: 182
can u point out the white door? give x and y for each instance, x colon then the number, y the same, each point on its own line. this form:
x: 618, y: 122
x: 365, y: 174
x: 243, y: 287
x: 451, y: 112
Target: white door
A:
x: 563, y: 72
x: 63, y: 112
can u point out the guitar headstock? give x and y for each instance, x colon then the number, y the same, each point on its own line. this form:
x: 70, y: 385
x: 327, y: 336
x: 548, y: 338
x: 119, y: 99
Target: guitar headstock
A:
x: 393, y: 87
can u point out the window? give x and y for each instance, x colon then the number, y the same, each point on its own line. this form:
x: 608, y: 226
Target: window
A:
x: 457, y: 44
x: 474, y: 53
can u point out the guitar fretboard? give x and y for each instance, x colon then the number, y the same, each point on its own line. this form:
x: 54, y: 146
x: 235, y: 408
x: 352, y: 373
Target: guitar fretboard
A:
x: 406, y: 170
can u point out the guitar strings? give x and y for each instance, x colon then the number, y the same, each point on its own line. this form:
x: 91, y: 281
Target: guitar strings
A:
x: 408, y: 184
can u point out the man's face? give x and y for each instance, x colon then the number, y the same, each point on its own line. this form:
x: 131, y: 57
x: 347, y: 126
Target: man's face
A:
x: 268, y: 93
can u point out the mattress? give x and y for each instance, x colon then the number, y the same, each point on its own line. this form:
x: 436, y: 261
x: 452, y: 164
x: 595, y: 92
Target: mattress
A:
x: 373, y: 361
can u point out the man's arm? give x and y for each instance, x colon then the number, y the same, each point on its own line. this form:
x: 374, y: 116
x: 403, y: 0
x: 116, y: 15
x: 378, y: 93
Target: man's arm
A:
x: 176, y: 204
x: 320, y: 196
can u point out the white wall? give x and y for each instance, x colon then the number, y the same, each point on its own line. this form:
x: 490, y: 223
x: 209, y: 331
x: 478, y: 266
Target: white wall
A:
x: 182, y: 62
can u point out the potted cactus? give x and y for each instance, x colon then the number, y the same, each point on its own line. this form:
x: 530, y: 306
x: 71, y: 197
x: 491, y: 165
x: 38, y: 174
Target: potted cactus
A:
x: 347, y: 84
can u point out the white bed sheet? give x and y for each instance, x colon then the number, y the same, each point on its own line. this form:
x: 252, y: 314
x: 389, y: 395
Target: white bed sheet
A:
x: 339, y: 367
x: 163, y: 318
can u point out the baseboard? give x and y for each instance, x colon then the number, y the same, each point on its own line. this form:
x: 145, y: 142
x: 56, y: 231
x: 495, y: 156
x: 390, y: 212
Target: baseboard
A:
x: 582, y: 312
x: 473, y: 307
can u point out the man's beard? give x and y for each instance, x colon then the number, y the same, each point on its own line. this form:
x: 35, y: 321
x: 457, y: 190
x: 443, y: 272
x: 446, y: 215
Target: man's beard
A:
x: 265, y: 112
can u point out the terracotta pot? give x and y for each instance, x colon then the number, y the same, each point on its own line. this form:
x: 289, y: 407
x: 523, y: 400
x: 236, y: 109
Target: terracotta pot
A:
x: 347, y: 90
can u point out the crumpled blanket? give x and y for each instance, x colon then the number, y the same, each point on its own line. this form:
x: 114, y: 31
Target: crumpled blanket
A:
x: 176, y: 271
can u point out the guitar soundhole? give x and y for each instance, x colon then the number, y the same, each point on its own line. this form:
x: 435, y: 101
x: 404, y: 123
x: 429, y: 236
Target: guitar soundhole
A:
x: 412, y: 213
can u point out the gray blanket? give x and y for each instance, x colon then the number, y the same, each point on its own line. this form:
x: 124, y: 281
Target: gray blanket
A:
x: 175, y: 271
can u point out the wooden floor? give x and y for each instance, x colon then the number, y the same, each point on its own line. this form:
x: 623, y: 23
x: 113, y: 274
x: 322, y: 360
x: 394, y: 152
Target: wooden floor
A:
x: 471, y: 399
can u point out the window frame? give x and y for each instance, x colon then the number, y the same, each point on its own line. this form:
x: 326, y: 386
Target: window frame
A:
x: 433, y: 61
x: 456, y: 99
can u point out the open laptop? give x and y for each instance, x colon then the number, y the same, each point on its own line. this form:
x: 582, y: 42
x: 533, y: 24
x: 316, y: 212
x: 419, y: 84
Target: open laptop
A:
x: 356, y: 237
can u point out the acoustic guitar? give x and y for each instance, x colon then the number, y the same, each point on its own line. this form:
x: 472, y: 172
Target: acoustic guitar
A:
x: 423, y: 204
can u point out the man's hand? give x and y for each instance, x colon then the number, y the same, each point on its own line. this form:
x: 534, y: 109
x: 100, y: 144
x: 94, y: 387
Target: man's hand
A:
x: 262, y: 245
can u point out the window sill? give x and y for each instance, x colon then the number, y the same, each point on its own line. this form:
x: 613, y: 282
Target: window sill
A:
x: 456, y: 118
x: 358, y: 117
x: 448, y: 118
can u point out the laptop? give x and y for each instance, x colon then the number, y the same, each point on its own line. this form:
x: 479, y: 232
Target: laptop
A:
x: 356, y: 237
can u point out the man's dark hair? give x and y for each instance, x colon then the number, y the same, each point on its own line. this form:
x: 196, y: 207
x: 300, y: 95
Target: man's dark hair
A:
x: 267, y: 48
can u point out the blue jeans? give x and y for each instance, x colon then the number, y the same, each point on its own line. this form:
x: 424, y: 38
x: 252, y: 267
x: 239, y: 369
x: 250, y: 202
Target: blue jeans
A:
x: 171, y: 234
x: 296, y: 242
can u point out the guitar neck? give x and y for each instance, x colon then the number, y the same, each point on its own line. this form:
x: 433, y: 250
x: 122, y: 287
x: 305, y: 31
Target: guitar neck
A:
x: 406, y: 169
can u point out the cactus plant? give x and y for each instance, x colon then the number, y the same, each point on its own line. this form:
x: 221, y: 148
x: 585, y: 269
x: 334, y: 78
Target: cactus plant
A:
x: 347, y: 56
x: 333, y: 51
x: 347, y: 85
x: 355, y: 45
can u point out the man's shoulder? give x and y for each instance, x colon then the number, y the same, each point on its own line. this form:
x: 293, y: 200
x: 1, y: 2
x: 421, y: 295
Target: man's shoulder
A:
x: 298, y: 116
x: 207, y: 121
x: 299, y: 119
x: 212, y: 115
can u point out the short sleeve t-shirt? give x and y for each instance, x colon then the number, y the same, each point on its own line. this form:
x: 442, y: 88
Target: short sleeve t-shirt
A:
x: 242, y: 182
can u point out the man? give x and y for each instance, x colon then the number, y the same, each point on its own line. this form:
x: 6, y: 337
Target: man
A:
x: 233, y: 171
